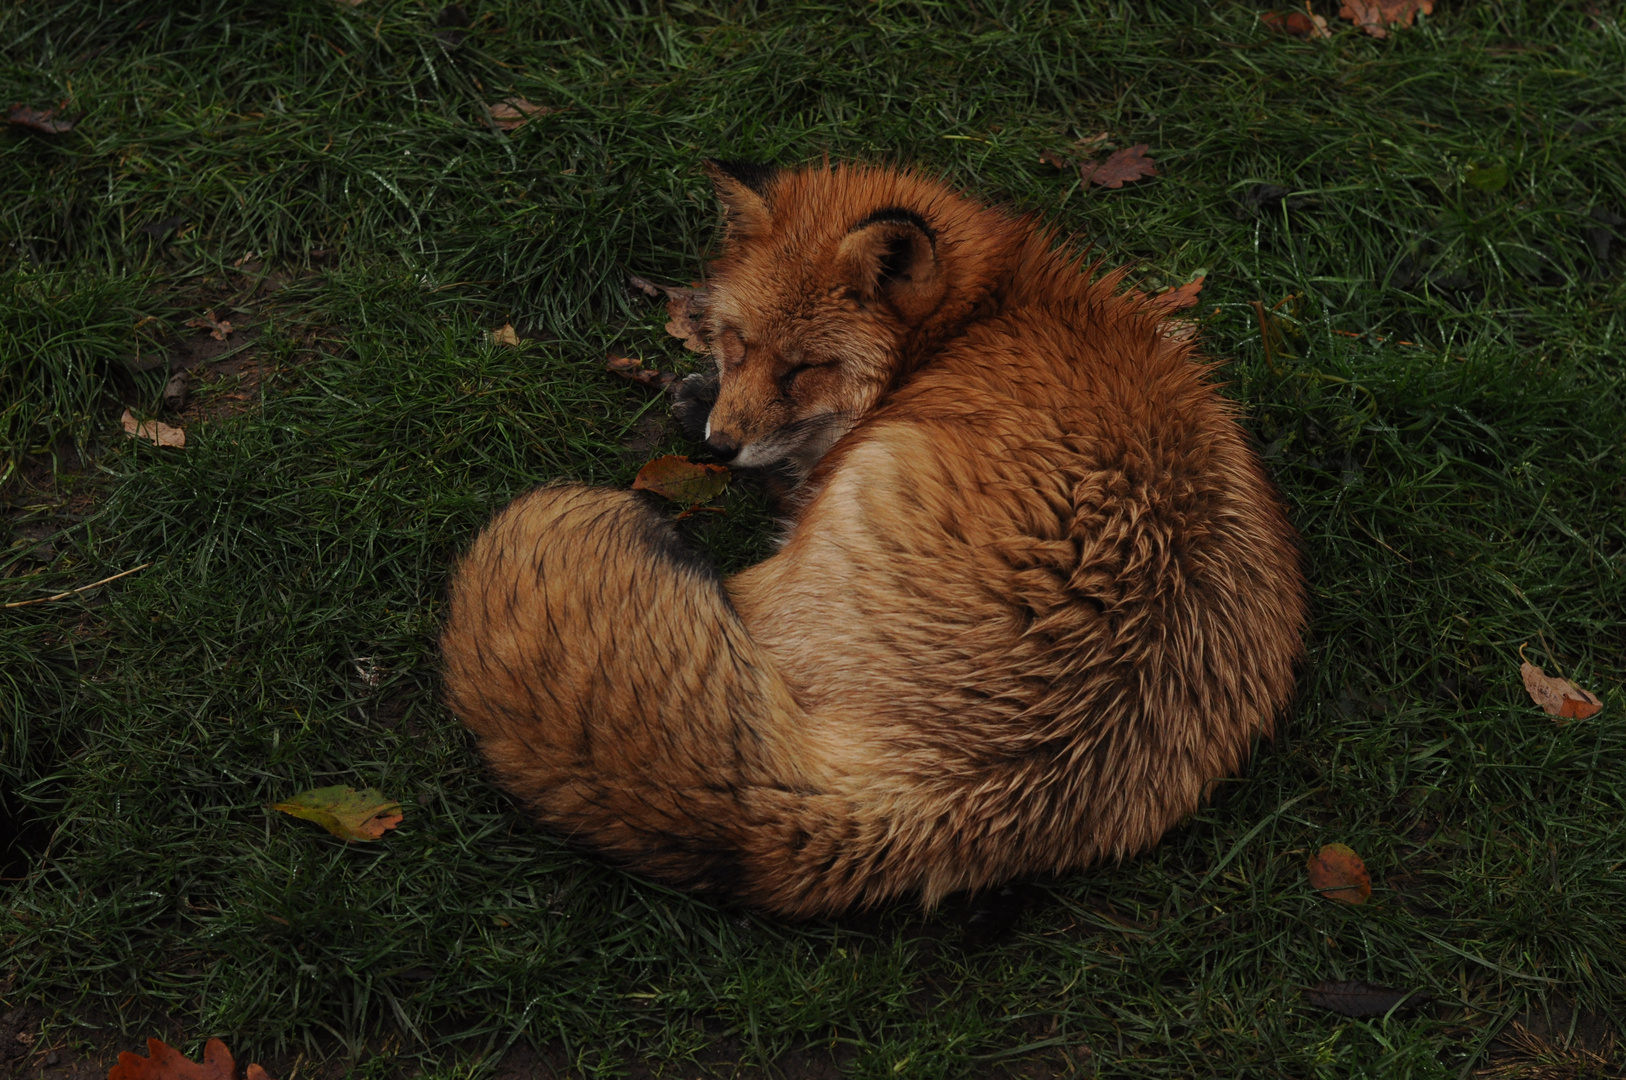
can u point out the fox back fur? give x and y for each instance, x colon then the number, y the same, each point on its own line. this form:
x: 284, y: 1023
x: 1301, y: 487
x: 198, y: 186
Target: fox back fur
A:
x: 1035, y: 591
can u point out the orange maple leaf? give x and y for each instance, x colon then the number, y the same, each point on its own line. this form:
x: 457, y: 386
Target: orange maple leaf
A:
x: 1376, y: 17
x: 164, y: 1062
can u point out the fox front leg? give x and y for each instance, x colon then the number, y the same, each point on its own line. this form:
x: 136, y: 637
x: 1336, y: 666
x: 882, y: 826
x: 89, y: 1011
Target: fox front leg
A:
x: 692, y: 399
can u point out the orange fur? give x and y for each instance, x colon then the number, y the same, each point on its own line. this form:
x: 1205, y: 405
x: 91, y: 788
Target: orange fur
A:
x: 1035, y: 593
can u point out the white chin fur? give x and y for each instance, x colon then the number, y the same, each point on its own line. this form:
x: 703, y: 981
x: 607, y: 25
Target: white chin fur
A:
x: 752, y: 456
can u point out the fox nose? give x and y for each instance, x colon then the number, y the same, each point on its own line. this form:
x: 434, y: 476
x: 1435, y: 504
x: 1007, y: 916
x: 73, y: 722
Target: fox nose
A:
x: 723, y: 445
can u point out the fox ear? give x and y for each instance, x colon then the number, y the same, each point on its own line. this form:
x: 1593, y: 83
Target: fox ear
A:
x: 891, y: 256
x: 742, y: 188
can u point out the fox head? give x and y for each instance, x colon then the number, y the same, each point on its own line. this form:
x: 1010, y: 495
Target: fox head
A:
x: 831, y: 283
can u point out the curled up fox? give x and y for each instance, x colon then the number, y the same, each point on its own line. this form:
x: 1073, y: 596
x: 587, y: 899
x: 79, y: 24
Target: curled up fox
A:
x: 1034, y: 594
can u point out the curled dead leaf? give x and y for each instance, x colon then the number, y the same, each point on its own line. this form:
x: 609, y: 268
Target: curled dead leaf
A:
x: 1337, y: 873
x: 630, y: 367
x: 219, y: 329
x: 505, y: 336
x: 1558, y: 697
x: 154, y: 431
x: 683, y: 481
x: 685, y: 309
x: 164, y: 1062
x: 513, y: 113
x: 345, y: 812
x: 1378, y: 17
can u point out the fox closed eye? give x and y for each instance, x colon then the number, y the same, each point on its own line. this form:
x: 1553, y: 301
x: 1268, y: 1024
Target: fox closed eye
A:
x: 789, y: 377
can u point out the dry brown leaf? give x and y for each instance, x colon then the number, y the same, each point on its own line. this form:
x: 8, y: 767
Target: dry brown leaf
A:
x: 1050, y: 157
x: 1130, y: 163
x: 219, y: 329
x: 1558, y: 697
x: 1358, y: 999
x: 44, y: 121
x: 1337, y: 873
x: 505, y: 336
x: 1378, y: 17
x: 154, y: 431
x: 685, y: 309
x: 514, y: 112
x: 630, y: 367
x: 345, y: 812
x: 164, y: 1062
x: 1180, y: 297
x: 1301, y: 24
x: 681, y: 480
x: 686, y: 312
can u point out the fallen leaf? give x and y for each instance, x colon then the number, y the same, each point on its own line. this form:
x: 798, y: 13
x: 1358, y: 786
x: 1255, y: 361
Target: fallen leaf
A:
x: 1377, y: 17
x: 630, y: 367
x: 1558, y: 697
x: 219, y: 329
x: 1358, y: 999
x: 515, y: 112
x: 685, y: 308
x: 1050, y: 157
x: 505, y: 336
x: 345, y: 812
x: 1181, y: 297
x: 1301, y: 24
x: 1130, y: 163
x: 154, y: 431
x: 681, y: 480
x: 164, y: 1062
x: 44, y: 121
x: 1337, y: 873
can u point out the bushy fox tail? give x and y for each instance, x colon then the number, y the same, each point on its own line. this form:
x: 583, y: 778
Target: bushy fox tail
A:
x: 615, y: 691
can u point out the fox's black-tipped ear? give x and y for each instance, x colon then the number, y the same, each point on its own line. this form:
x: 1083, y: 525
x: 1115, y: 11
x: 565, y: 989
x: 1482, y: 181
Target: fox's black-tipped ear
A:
x: 891, y: 257
x: 742, y: 188
x: 750, y: 174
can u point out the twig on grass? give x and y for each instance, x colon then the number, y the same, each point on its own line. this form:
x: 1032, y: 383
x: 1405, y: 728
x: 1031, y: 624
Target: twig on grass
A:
x: 80, y: 589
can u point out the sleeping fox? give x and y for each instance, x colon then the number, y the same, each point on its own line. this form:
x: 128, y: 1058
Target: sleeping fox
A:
x: 1035, y: 591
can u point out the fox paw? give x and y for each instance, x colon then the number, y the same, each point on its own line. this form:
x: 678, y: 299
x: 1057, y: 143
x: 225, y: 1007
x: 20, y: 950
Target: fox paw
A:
x: 692, y: 399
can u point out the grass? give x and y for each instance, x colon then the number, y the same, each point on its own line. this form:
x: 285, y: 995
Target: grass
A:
x: 1443, y: 404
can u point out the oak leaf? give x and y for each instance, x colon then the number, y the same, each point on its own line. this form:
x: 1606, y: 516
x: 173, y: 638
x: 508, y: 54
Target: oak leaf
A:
x: 1130, y: 163
x: 345, y: 812
x: 505, y: 336
x: 515, y: 112
x: 630, y: 367
x: 683, y: 481
x: 164, y: 1062
x: 44, y: 121
x: 154, y: 431
x: 1337, y: 873
x: 1377, y: 17
x: 1359, y: 1000
x: 1558, y: 697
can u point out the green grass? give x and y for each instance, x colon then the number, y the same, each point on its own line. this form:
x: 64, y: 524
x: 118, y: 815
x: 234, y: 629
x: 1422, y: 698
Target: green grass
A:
x: 1460, y: 497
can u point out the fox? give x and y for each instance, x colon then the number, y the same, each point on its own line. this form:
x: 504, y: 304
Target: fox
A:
x: 1034, y: 594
